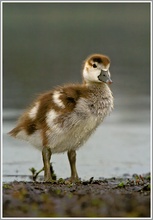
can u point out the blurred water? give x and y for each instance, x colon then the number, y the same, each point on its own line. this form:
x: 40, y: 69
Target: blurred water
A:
x: 44, y: 45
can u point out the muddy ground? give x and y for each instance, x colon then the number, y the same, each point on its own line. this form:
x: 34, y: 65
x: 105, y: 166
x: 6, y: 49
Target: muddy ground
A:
x: 115, y: 197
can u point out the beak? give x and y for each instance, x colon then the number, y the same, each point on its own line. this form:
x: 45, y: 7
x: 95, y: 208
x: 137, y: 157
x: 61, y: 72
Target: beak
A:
x: 109, y: 81
x: 105, y: 77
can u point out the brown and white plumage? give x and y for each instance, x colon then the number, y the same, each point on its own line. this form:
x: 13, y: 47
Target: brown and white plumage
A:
x: 64, y: 118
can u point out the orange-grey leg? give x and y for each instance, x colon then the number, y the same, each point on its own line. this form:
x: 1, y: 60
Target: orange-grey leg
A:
x: 46, y: 154
x: 72, y: 160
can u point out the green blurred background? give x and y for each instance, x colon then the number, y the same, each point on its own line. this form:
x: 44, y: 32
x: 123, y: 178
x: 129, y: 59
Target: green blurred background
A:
x: 44, y: 44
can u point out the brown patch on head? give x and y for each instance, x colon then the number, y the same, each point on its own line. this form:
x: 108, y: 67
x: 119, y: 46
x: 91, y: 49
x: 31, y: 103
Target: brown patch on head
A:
x: 99, y: 58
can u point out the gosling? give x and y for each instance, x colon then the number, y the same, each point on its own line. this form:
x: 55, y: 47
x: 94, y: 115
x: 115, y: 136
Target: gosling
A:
x: 64, y: 118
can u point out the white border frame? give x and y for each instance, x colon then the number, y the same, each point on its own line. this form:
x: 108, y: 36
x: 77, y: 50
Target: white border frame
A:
x: 1, y: 89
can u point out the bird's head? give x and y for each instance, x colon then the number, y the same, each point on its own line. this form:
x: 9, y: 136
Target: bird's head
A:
x: 96, y: 69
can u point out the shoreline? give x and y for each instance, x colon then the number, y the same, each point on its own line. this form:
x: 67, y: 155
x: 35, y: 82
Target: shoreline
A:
x: 113, y: 197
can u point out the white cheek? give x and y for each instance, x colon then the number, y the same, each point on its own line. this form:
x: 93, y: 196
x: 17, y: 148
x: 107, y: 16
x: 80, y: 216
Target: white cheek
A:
x: 94, y: 76
x: 91, y: 75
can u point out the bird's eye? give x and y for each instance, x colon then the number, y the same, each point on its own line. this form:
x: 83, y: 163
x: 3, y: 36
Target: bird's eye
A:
x: 94, y: 65
x: 104, y: 75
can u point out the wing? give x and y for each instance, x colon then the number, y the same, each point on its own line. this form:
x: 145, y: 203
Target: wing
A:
x: 68, y: 96
x: 59, y: 101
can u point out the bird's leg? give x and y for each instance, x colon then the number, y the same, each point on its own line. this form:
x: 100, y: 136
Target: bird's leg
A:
x: 72, y: 160
x: 46, y: 154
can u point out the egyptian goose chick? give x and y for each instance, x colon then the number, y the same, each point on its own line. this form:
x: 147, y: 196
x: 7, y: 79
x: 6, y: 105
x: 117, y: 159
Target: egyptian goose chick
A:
x: 64, y: 118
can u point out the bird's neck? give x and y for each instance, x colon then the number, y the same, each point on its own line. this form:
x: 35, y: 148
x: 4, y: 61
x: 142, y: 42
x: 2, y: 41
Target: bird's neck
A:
x: 94, y: 84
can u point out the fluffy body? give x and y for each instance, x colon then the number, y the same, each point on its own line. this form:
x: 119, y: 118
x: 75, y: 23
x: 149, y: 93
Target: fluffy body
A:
x: 49, y: 122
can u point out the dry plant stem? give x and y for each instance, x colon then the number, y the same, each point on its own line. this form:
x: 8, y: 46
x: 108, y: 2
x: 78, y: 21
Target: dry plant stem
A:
x: 46, y: 154
x: 72, y: 160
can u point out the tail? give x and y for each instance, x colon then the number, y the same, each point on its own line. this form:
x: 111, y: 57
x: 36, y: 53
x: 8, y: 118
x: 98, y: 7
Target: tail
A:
x: 14, y: 131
